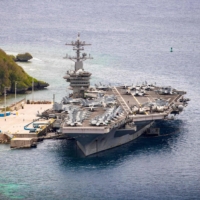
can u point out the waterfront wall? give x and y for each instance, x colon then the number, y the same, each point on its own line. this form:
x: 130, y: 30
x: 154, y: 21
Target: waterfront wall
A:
x: 4, y: 139
x: 18, y: 105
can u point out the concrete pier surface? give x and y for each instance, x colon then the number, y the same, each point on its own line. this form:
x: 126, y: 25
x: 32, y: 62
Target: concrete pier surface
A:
x: 15, y: 123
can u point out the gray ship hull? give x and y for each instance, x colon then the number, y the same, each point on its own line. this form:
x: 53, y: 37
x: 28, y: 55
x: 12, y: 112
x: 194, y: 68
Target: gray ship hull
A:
x: 94, y: 143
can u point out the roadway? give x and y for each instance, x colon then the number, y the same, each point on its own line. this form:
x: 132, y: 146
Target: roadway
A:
x: 15, y: 123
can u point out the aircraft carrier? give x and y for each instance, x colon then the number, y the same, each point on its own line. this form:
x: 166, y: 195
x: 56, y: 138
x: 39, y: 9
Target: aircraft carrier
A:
x: 101, y: 117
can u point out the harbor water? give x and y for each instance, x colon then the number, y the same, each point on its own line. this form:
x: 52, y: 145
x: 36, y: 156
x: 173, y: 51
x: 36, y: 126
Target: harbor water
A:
x: 131, y: 43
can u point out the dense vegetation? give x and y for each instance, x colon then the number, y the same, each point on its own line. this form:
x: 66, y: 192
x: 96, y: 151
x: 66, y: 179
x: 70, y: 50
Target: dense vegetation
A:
x: 11, y: 72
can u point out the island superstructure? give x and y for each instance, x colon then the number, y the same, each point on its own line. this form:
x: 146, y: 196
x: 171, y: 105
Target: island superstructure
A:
x: 79, y: 79
x: 101, y: 117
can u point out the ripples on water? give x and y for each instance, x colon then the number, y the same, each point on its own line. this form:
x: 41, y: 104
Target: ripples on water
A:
x: 130, y: 41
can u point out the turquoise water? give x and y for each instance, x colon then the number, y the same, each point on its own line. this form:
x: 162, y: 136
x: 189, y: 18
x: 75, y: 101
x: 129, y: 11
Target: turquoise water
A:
x: 131, y: 42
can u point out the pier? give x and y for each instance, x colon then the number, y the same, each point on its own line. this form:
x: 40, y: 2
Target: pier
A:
x: 13, y: 127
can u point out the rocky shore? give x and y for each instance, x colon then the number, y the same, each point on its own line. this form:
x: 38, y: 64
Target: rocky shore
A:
x: 25, y: 57
x: 11, y: 74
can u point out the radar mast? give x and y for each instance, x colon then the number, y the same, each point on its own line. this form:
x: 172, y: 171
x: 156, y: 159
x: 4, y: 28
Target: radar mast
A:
x: 78, y: 46
x: 79, y: 79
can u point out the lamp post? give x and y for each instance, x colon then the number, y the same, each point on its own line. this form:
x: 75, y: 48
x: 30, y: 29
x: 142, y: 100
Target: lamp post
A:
x: 5, y: 89
x: 15, y: 92
x: 53, y: 99
x: 32, y: 90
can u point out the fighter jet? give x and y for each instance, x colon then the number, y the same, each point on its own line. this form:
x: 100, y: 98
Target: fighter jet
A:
x: 101, y: 122
x: 135, y: 87
x: 128, y: 92
x: 165, y: 90
x: 67, y: 100
x: 102, y: 87
x: 109, y: 100
x: 92, y: 107
x: 135, y: 109
x: 138, y: 93
x: 125, y: 86
x: 94, y: 90
x: 142, y: 111
x: 148, y: 87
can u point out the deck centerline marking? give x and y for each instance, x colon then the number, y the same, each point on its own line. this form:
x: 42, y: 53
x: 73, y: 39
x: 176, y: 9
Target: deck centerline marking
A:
x: 122, y: 99
x: 137, y: 100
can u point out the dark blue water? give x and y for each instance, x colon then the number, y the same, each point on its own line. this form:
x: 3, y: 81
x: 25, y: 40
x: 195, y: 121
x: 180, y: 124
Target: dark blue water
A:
x: 131, y: 43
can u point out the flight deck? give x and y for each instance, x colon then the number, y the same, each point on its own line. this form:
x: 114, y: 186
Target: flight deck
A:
x: 116, y: 106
